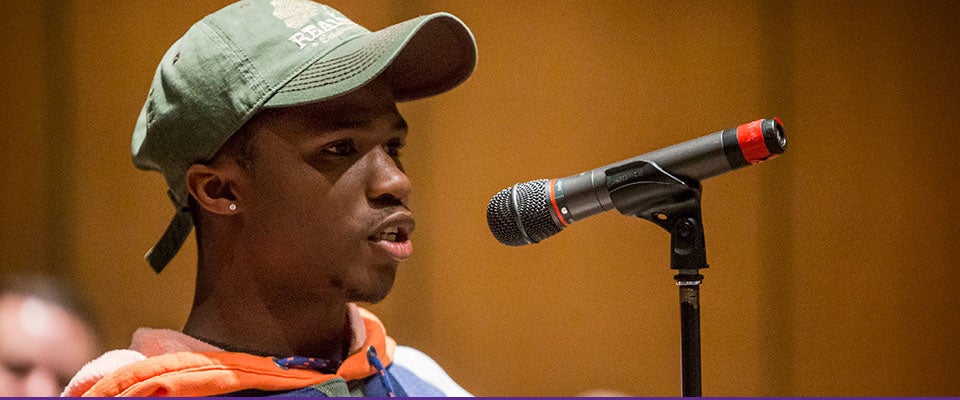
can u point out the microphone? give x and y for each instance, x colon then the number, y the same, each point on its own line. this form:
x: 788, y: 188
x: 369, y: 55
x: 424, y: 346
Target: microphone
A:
x: 529, y: 212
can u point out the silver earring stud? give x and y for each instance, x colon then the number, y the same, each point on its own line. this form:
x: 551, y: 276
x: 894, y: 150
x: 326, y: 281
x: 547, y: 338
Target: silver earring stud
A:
x: 233, y: 207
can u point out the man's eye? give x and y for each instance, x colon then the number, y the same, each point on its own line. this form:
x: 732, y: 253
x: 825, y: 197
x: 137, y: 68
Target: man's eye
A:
x: 17, y: 369
x: 343, y: 148
x: 393, y: 148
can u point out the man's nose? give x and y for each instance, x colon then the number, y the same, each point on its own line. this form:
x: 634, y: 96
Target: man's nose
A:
x: 387, y: 181
x: 41, y: 382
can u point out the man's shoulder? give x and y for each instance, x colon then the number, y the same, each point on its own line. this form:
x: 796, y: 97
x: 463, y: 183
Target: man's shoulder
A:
x: 420, y: 375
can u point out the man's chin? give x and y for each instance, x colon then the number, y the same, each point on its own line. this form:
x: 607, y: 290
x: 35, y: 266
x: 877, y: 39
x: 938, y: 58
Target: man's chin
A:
x: 368, y: 297
x: 372, y: 293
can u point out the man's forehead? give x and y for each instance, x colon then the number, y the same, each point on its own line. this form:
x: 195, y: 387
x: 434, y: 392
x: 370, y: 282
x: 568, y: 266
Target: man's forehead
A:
x: 33, y: 315
x: 370, y: 104
x: 28, y: 319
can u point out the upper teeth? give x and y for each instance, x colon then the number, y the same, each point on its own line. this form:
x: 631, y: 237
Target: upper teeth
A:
x: 390, y: 234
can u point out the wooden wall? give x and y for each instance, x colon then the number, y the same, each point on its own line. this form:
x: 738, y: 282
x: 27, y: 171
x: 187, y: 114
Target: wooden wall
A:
x: 832, y: 268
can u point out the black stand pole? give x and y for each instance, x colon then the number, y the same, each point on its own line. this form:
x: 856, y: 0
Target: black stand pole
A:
x: 688, y: 255
x: 690, y: 336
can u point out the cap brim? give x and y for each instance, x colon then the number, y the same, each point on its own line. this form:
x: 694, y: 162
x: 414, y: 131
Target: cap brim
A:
x: 419, y: 58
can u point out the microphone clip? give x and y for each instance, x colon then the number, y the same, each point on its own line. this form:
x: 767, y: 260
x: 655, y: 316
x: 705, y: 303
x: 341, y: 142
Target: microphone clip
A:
x: 643, y: 189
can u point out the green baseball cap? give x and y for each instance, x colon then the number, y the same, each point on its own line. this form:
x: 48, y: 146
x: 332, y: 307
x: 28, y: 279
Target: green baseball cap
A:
x: 257, y: 54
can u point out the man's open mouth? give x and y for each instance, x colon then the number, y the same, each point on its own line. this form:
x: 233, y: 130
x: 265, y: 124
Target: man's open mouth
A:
x: 391, y: 234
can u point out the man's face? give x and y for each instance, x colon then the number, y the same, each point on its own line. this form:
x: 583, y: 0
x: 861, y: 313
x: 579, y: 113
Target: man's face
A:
x: 325, y: 199
x: 41, y: 346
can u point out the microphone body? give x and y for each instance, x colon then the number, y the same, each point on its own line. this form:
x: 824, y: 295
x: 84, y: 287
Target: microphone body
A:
x: 529, y: 212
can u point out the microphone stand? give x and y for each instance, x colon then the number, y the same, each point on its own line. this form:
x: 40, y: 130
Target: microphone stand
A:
x: 645, y: 190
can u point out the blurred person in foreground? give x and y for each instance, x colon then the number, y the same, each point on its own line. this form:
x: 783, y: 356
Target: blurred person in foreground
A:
x: 46, y: 335
x: 275, y: 125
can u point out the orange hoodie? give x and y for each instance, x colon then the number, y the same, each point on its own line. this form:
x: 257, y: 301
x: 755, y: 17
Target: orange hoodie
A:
x: 169, y: 363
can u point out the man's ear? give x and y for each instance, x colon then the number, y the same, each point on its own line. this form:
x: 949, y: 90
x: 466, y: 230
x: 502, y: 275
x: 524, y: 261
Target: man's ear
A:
x: 214, y: 188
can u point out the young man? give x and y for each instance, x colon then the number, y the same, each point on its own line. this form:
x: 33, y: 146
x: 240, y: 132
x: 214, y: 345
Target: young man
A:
x: 275, y: 125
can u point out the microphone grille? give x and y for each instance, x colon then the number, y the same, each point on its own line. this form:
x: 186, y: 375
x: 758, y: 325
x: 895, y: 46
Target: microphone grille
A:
x: 520, y: 214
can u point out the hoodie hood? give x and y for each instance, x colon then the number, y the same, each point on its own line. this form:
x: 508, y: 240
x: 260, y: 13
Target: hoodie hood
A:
x: 163, y: 362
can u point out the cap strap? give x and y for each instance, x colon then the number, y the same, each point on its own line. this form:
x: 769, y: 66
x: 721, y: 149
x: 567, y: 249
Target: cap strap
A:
x: 168, y: 246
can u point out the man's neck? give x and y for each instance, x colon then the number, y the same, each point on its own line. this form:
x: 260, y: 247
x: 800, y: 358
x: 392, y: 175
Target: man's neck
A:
x: 280, y: 327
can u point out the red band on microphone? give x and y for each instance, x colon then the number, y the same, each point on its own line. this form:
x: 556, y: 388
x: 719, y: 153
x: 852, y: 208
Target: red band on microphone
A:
x: 750, y: 138
x: 553, y: 200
